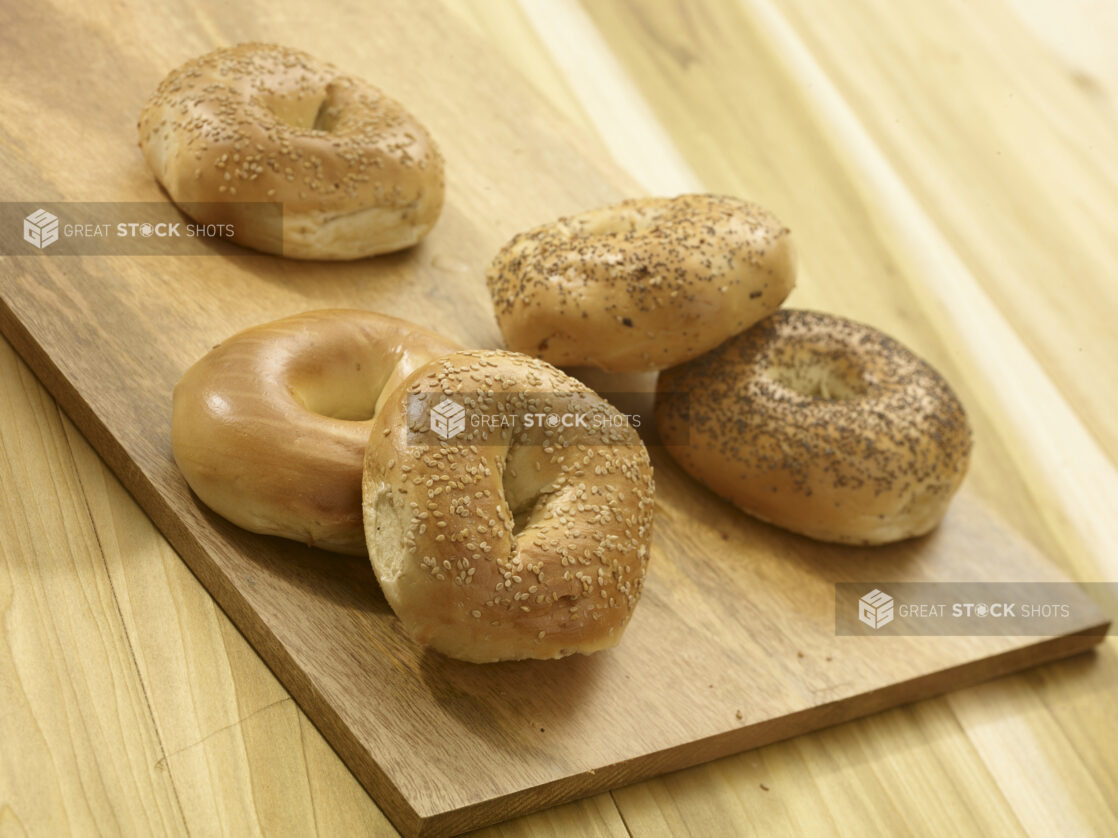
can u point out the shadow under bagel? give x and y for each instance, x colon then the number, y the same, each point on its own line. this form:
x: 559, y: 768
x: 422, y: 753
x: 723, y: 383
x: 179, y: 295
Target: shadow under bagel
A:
x: 488, y: 698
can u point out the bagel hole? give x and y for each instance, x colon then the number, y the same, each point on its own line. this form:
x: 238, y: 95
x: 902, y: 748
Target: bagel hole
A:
x: 348, y: 413
x: 348, y: 396
x: 525, y: 511
x: 819, y: 373
x: 306, y: 114
x: 520, y: 519
x: 326, y: 117
x: 613, y: 223
x: 522, y: 488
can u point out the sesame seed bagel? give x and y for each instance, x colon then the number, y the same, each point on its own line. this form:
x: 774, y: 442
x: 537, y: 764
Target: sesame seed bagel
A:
x: 269, y: 428
x: 820, y: 425
x: 355, y: 173
x: 514, y: 541
x: 641, y: 285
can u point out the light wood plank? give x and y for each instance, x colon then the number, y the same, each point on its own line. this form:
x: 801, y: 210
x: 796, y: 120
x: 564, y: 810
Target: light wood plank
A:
x: 81, y: 753
x: 594, y: 817
x: 1080, y: 35
x: 506, y: 29
x: 870, y: 777
x: 1054, y: 766
x: 613, y: 105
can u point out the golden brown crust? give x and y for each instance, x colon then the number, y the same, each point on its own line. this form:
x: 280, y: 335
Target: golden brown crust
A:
x: 821, y: 425
x: 440, y: 516
x: 270, y: 427
x: 641, y: 285
x: 355, y: 172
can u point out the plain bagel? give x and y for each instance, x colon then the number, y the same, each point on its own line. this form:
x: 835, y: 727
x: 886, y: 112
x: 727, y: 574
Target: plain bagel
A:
x: 270, y: 427
x: 641, y: 285
x: 235, y: 133
x: 503, y: 541
x: 821, y: 425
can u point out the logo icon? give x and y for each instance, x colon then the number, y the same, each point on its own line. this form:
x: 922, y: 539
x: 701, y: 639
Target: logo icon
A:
x: 875, y: 609
x: 40, y: 229
x: 448, y: 419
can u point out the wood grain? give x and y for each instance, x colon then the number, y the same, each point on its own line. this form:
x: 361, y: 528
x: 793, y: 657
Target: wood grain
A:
x: 703, y: 799
x: 65, y: 648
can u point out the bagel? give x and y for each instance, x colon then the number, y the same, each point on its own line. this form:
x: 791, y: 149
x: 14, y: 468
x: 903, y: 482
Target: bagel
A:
x: 820, y: 425
x: 642, y: 285
x: 511, y: 542
x: 269, y: 428
x: 235, y: 133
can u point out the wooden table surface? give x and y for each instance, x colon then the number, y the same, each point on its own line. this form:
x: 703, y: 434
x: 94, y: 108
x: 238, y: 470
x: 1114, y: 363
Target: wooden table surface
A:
x: 951, y: 172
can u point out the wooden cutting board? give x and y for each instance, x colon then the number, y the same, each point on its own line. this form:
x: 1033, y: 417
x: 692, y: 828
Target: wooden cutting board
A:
x: 734, y: 644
